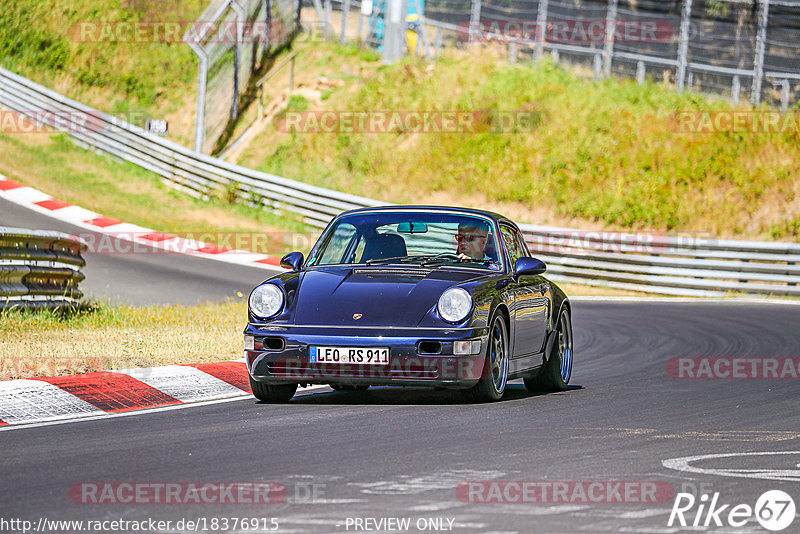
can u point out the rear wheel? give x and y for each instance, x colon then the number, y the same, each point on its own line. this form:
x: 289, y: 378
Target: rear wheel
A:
x: 493, y: 380
x: 557, y: 370
x: 343, y: 387
x: 272, y: 392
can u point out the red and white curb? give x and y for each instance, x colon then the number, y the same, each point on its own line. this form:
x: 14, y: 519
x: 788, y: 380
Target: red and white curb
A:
x: 49, y: 399
x: 117, y: 230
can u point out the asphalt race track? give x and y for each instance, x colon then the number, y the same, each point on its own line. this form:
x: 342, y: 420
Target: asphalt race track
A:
x: 141, y: 279
x: 401, y: 454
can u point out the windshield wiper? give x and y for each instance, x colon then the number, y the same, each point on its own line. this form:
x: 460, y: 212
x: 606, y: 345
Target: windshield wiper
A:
x: 375, y: 261
x: 452, y: 258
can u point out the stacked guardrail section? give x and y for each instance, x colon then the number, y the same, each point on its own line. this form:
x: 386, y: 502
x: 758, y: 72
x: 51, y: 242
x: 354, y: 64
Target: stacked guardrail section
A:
x: 656, y: 264
x: 39, y: 269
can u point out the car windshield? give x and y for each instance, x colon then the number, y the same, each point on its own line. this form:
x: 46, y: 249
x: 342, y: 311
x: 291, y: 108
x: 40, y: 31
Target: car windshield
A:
x: 409, y: 237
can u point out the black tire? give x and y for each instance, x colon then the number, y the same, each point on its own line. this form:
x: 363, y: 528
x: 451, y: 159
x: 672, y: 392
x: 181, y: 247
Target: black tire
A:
x: 557, y: 369
x: 345, y: 387
x: 272, y: 392
x: 494, y: 378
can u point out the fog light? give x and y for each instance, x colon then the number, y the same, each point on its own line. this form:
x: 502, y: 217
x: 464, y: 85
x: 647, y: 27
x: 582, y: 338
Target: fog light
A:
x: 467, y: 347
x: 249, y: 343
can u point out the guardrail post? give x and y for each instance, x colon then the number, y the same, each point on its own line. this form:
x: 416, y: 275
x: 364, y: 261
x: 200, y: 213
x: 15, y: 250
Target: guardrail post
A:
x: 761, y: 42
x: 597, y: 67
x: 541, y: 29
x: 736, y: 90
x: 437, y: 42
x: 611, y: 26
x: 640, y: 72
x: 512, y: 52
x: 683, y: 46
x: 474, y: 21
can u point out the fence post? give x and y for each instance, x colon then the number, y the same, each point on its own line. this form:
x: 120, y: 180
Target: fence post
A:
x: 328, y: 27
x: 202, y: 82
x: 785, y: 94
x: 474, y: 21
x: 683, y: 47
x: 345, y: 15
x: 611, y: 23
x: 360, y: 21
x: 761, y: 41
x: 423, y: 31
x: 437, y: 41
x: 241, y: 19
x: 541, y: 29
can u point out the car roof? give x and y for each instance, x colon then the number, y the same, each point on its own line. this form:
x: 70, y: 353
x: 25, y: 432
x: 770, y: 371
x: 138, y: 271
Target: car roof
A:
x: 496, y: 217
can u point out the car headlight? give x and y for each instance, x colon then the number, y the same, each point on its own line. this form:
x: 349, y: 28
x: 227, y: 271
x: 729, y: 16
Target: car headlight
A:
x: 454, y: 305
x: 266, y: 301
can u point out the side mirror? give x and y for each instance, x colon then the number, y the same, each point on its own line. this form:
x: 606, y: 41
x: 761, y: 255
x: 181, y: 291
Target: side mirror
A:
x: 527, y: 266
x: 292, y: 261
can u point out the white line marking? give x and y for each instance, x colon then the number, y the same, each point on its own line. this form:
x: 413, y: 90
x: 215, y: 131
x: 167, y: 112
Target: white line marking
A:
x: 783, y: 475
x: 146, y: 411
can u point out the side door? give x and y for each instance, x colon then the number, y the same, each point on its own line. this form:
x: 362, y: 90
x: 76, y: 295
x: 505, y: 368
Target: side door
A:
x: 529, y: 309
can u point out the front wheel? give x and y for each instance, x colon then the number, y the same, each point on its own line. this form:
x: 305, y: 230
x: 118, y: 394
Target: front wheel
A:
x: 557, y: 370
x: 493, y: 380
x: 272, y: 392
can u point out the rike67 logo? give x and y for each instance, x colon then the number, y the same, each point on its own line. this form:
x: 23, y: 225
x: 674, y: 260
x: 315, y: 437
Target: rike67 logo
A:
x: 774, y: 510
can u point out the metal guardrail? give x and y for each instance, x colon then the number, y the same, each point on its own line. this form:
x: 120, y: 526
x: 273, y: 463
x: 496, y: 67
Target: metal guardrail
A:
x: 197, y: 174
x: 649, y: 263
x: 39, y: 269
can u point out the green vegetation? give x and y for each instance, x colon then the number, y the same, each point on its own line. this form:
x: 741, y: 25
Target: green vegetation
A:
x: 602, y: 154
x: 87, y: 50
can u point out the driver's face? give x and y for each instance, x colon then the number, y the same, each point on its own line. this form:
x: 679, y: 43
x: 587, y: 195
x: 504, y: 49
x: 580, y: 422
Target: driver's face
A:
x: 471, y: 242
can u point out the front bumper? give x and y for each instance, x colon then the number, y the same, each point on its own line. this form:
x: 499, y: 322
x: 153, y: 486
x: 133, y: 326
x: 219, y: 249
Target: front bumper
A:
x: 417, y: 356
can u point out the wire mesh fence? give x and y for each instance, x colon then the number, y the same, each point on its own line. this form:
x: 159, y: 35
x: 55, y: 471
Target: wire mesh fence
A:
x: 738, y: 49
x: 232, y: 39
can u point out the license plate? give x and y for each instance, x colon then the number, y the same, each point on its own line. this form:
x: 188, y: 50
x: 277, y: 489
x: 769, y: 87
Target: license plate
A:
x: 356, y: 355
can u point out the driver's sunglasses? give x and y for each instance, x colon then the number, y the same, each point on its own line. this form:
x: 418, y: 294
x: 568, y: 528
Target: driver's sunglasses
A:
x: 469, y: 238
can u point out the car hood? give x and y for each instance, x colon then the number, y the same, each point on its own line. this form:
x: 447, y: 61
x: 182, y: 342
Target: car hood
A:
x: 381, y: 296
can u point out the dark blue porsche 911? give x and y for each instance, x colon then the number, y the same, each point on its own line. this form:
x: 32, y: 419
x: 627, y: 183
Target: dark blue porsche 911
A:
x: 410, y: 296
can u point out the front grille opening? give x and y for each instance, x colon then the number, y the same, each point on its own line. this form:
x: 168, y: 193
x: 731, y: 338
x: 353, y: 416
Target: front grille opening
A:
x: 429, y: 347
x: 273, y: 343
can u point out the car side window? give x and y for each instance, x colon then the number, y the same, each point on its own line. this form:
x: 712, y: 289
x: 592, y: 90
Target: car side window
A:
x: 339, y: 244
x: 511, y: 244
x: 523, y: 246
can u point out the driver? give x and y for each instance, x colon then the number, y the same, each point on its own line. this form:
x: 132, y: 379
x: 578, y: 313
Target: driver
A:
x: 471, y: 239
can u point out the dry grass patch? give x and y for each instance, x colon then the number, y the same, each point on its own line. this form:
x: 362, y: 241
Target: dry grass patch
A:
x: 46, y: 343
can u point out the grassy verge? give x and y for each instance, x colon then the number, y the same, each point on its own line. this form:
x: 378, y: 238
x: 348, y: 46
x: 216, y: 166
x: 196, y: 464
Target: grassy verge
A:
x: 45, y: 343
x: 601, y: 154
x: 129, y: 193
x: 113, y: 71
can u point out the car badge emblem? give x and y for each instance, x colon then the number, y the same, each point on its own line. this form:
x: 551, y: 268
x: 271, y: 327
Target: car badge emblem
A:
x: 357, y: 316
